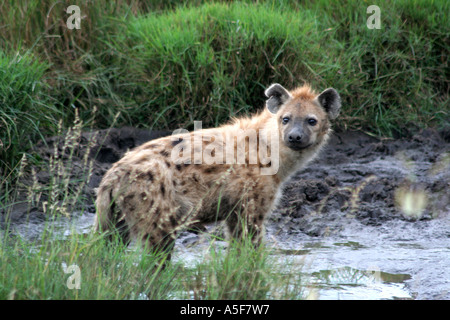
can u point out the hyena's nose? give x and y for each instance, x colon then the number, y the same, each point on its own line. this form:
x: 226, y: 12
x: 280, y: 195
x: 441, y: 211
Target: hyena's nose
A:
x: 295, y: 137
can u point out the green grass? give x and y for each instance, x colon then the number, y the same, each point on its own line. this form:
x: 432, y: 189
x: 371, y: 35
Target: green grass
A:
x: 37, y: 270
x: 211, y: 62
x: 26, y: 109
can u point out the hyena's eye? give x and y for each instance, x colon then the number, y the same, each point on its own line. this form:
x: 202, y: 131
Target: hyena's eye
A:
x: 312, y: 121
x: 285, y: 120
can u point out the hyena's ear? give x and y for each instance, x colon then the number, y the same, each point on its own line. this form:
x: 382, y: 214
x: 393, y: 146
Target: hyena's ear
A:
x: 330, y: 100
x: 277, y: 96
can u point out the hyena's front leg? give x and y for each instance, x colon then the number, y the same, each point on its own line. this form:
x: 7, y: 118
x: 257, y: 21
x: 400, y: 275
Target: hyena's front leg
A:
x: 248, y: 223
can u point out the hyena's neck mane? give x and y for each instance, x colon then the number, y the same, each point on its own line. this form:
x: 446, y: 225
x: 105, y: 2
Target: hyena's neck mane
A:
x: 262, y: 120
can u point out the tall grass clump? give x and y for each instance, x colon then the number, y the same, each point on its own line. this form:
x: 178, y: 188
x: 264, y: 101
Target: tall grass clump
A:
x: 213, y: 61
x: 83, y: 67
x: 89, y: 266
x: 27, y: 111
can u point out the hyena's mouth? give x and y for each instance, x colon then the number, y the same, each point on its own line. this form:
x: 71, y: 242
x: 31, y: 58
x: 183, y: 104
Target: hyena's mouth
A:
x: 299, y: 147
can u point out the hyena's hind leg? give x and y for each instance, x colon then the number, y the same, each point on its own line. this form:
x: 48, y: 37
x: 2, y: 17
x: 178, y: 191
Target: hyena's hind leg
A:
x: 159, y: 243
x: 119, y: 230
x: 157, y: 235
x: 246, y: 225
x: 109, y: 219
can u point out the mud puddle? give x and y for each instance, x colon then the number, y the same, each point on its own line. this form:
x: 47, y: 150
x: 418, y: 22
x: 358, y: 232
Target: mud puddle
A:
x: 60, y: 228
x: 401, y: 260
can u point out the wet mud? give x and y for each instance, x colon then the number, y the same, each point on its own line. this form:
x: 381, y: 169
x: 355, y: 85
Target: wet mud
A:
x: 366, y: 205
x: 361, y: 177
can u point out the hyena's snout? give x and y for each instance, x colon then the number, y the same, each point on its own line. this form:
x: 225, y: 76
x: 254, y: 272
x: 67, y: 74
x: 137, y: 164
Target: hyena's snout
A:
x: 297, y: 138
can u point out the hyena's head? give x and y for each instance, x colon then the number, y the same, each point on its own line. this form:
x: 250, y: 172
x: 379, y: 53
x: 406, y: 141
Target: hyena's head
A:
x: 303, y: 116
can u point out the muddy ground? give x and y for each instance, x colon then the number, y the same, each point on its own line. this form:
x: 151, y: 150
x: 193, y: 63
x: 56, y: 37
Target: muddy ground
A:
x: 361, y: 177
x: 349, y: 199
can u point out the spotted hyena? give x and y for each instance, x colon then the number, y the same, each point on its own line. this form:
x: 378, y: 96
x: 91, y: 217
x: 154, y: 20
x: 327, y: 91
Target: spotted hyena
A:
x: 232, y: 173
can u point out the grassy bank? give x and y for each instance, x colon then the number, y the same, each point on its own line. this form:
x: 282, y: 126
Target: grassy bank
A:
x: 166, y: 65
x: 213, y: 61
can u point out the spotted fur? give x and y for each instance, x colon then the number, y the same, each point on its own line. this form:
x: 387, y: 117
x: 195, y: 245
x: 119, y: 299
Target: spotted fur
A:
x: 150, y: 197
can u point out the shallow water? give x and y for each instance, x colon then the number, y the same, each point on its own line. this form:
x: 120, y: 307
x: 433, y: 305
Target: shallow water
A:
x: 60, y: 228
x: 398, y: 260
x: 343, y: 282
x: 324, y: 278
x: 406, y: 260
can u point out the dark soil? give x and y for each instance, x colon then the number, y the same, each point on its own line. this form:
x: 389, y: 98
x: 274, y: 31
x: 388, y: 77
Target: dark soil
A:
x: 357, y: 176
